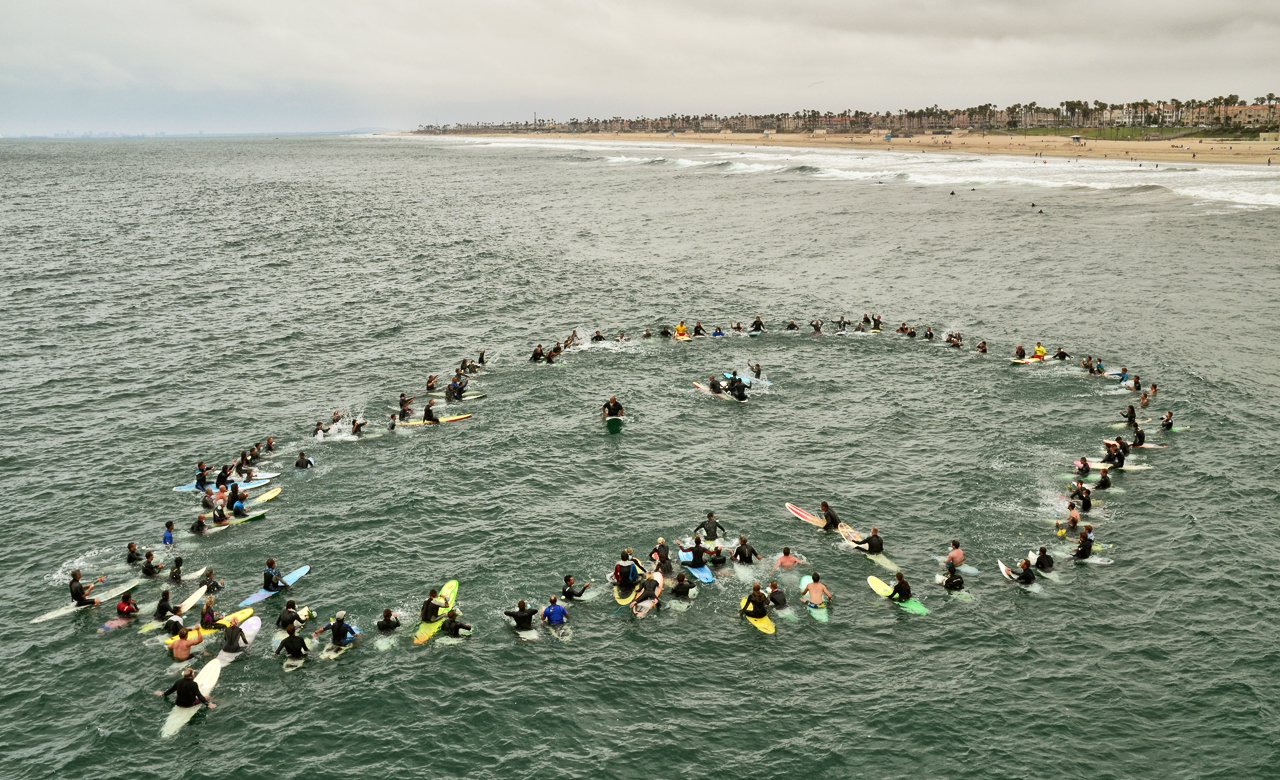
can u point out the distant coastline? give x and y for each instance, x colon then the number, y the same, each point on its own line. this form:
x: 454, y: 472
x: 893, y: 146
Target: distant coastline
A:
x: 1182, y: 150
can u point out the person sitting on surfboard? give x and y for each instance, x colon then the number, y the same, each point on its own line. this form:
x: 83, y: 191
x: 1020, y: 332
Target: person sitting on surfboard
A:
x: 1040, y: 351
x: 815, y: 593
x: 1104, y: 481
x: 982, y: 347
x: 1060, y: 354
x: 717, y: 556
x: 537, y: 354
x: 777, y: 597
x: 149, y: 567
x: 817, y: 326
x: 698, y: 330
x: 1026, y: 575
x: 289, y: 615
x: 757, y: 603
x: 1139, y: 438
x: 611, y: 408
x: 431, y: 608
x: 901, y: 589
x: 758, y: 326
x: 233, y: 637
x: 682, y: 329
x: 454, y: 627
x: 755, y: 370
x: 1085, y: 467
x: 662, y: 555
x: 126, y: 606
x: 875, y: 322
x: 1084, y: 549
x: 708, y: 528
x: 648, y: 590
x: 523, y: 616
x: 181, y: 647
x: 953, y: 582
x: 682, y: 587
x: 873, y: 543
x: 833, y: 520
x: 792, y: 326
x: 911, y: 333
x: 569, y: 593
x: 956, y: 556
x: 271, y: 579
x: 928, y: 333
x: 1043, y: 561
x: 1020, y: 353
x: 293, y: 645
x: 208, y: 616
x: 1166, y: 422
x: 389, y: 622
x: 625, y: 572
x: 429, y: 413
x: 339, y: 632
x: 188, y: 692
x: 744, y: 553
x: 597, y: 337
x: 696, y: 553
x: 665, y: 332
x: 554, y: 614
x: 132, y: 555
x: 713, y: 384
x: 210, y: 584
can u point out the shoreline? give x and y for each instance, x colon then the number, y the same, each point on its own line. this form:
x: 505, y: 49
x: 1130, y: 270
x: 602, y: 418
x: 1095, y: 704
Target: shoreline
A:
x: 1186, y: 150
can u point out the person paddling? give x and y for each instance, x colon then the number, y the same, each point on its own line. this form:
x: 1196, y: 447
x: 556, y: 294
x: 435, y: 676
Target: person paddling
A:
x: 188, y: 691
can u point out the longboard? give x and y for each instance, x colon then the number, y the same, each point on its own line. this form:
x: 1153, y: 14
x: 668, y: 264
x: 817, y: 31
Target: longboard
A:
x: 334, y: 651
x: 210, y: 528
x: 805, y: 516
x: 265, y: 497
x: 179, y: 716
x: 852, y: 538
x: 910, y: 605
x: 454, y: 418
x: 819, y: 614
x: 240, y: 617
x: 449, y: 593
x: 251, y: 627
x: 105, y: 598
x: 265, y: 594
x: 190, y: 487
x: 722, y: 396
x: 703, y: 573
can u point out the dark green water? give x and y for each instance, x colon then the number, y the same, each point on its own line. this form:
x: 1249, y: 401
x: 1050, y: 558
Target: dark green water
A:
x: 170, y: 301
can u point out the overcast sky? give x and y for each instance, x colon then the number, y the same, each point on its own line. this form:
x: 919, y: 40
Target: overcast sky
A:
x: 278, y: 65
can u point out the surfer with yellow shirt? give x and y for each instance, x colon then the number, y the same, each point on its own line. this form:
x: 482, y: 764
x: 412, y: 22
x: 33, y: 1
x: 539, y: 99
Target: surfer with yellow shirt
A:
x: 1040, y: 352
x: 681, y: 329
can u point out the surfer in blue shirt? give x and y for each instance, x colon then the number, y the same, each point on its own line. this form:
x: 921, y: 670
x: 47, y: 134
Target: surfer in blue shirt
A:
x: 339, y: 632
x: 168, y: 532
x: 271, y: 579
x: 237, y: 509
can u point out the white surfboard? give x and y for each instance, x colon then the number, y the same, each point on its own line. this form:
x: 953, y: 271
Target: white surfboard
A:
x: 179, y: 716
x: 251, y: 628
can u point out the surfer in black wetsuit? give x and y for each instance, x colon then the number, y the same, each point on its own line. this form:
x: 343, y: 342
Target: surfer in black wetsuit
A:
x: 404, y: 406
x: 662, y: 555
x: 757, y: 605
x: 817, y: 327
x: 745, y: 553
x: 233, y: 637
x: 1084, y: 549
x: 875, y: 322
x: 777, y: 597
x: 982, y: 347
x: 833, y: 520
x: 901, y: 589
x: 755, y: 370
x: 1026, y: 575
x: 1104, y: 481
x: 1084, y: 468
x: 792, y: 326
x: 303, y: 462
x: 523, y: 616
x: 873, y: 543
x: 738, y: 389
x: 1130, y: 416
x: 454, y: 627
x: 1086, y: 502
x: 757, y: 326
x: 80, y: 593
x: 709, y: 528
x: 271, y: 579
x: 187, y: 690
x: 429, y: 412
x: 431, y: 608
x: 175, y: 574
x: 211, y: 585
x: 293, y: 645
x: 648, y: 590
x: 133, y: 556
x: 340, y: 633
x: 597, y: 337
x: 149, y: 567
x: 953, y: 582
x: 910, y: 332
x: 682, y: 587
x: 716, y: 557
x: 696, y: 553
x: 1043, y: 561
x: 928, y: 334
x: 569, y: 593
x: 1060, y: 354
x: 389, y: 622
x: 1020, y: 353
x: 1166, y: 422
x: 714, y: 385
x: 647, y: 334
x: 611, y: 408
x: 698, y: 330
x: 665, y: 333
x: 1139, y: 438
x: 537, y: 354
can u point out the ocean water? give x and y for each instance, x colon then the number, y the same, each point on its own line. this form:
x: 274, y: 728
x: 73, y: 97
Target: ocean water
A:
x: 176, y: 300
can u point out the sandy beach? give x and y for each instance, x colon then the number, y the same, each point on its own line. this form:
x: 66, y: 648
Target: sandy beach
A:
x: 1201, y: 150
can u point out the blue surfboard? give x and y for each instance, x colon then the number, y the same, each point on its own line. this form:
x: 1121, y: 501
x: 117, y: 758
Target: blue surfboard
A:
x: 264, y: 594
x: 701, y: 572
x: 749, y: 380
x: 190, y: 487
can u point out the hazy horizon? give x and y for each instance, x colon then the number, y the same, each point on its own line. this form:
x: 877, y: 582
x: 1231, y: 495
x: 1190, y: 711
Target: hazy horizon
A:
x: 230, y: 68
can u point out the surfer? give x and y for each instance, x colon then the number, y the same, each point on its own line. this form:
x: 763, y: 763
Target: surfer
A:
x: 569, y: 593
x: 833, y: 521
x: 429, y: 412
x: 815, y: 593
x: 1166, y: 422
x: 1040, y: 351
x: 713, y: 384
x: 1104, y: 481
x: 597, y: 337
x: 1020, y: 353
x: 1084, y: 468
x: 647, y: 334
x: 758, y: 326
x: 662, y: 555
x: 787, y: 560
x: 431, y: 608
x: 454, y: 627
x: 875, y: 322
x: 289, y: 615
x: 175, y: 574
x: 698, y: 330
x: 554, y: 614
x: 817, y: 327
x: 777, y: 597
x: 163, y: 610
x: 404, y: 406
x: 696, y: 553
x: 611, y: 408
x: 982, y: 347
x: 708, y: 528
x: 149, y: 567
x: 1043, y: 561
x: 953, y: 581
x: 1060, y: 354
x: 340, y: 633
x: 956, y: 556
x: 1026, y: 575
x: 744, y: 553
x: 167, y: 539
x: 1139, y: 438
x: 271, y: 579
x: 132, y: 556
x: 80, y: 593
x: 928, y: 333
x: 523, y: 616
x: 757, y: 603
x: 210, y: 584
x: 873, y: 543
x: 755, y: 370
x: 126, y: 606
x: 357, y: 427
x: 537, y: 354
x: 738, y: 389
x: 682, y: 588
x: 665, y: 333
x: 626, y: 573
x: 1084, y: 549
x: 901, y: 589
x: 682, y: 329
x: 233, y: 637
x: 717, y: 332
x: 389, y: 622
x: 792, y: 326
x: 303, y: 462
x: 188, y: 692
x: 181, y: 647
x: 208, y: 616
x: 293, y: 645
x: 648, y: 590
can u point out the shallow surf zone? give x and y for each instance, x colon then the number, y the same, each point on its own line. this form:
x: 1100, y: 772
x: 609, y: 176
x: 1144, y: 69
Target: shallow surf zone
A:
x: 360, y: 267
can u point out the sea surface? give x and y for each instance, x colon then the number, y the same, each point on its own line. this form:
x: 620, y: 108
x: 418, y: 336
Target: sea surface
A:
x: 168, y: 301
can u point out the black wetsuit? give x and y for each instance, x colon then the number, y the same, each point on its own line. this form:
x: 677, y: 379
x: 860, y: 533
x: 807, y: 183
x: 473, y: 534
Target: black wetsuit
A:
x: 1167, y: 424
x: 755, y: 607
x: 295, y: 646
x: 1084, y: 468
x: 874, y: 544
x: 648, y: 590
x: 681, y: 589
x: 430, y: 611
x: 695, y: 556
x: 188, y: 693
x: 287, y: 618
x: 523, y: 617
x: 901, y: 591
x: 570, y: 593
x: 162, y: 610
x: 340, y: 632
x: 1129, y: 416
x: 303, y: 463
x: 745, y: 553
x: 1104, y: 482
x: 954, y: 582
x: 664, y: 558
x: 271, y: 580
x: 210, y: 586
x: 1085, y: 549
x: 429, y: 414
x: 1086, y: 504
x: 1025, y: 576
x: 716, y: 387
x: 756, y: 372
x: 778, y: 598
x: 1139, y: 438
x: 833, y: 520
x: 454, y: 627
x: 1044, y: 562
x: 757, y: 326
x: 387, y: 625
x: 150, y: 569
x: 537, y: 355
x: 175, y: 574
x: 613, y: 409
x: 597, y: 337
x: 708, y: 529
x: 234, y: 640
x: 78, y: 594
x: 792, y: 326
x: 133, y: 557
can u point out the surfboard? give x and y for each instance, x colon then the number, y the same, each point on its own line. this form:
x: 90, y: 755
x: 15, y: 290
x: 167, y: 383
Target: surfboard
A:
x: 1092, y: 476
x: 753, y: 333
x: 106, y: 598
x: 819, y: 614
x: 1125, y: 424
x: 852, y: 537
x: 195, y: 575
x: 225, y: 621
x: 251, y: 627
x: 962, y: 595
x: 294, y: 664
x: 1008, y: 573
x: 722, y: 396
x: 805, y: 516
x: 613, y: 424
x: 264, y: 594
x: 449, y: 593
x: 265, y: 497
x: 1095, y: 560
x: 683, y: 337
x: 190, y: 487
x: 304, y: 612
x: 642, y: 608
x: 332, y: 651
x: 703, y: 573
x: 210, y: 528
x: 910, y: 605
x: 764, y: 624
x: 454, y: 418
x: 465, y: 397
x: 180, y: 716
x: 1177, y: 428
x: 1139, y: 446
x: 750, y: 381
x: 531, y: 635
x: 1024, y: 361
x: 192, y: 600
x: 963, y: 568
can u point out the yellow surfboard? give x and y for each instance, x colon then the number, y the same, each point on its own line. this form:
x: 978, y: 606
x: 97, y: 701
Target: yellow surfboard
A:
x: 764, y: 623
x: 449, y: 592
x: 241, y: 616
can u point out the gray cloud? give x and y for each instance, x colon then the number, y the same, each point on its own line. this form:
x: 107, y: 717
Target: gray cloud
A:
x: 134, y: 66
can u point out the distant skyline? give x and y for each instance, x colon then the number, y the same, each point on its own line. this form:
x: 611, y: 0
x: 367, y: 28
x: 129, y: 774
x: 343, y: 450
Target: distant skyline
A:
x: 134, y: 67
